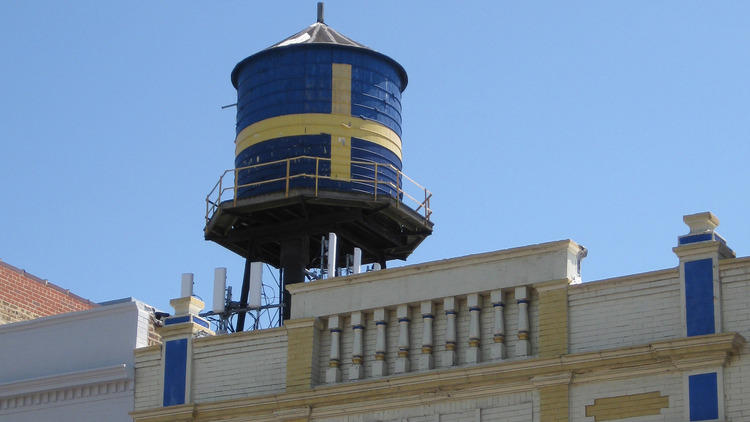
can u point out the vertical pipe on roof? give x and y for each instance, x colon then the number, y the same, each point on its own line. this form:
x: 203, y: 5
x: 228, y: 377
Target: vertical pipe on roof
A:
x: 186, y: 285
x: 220, y: 287
x: 320, y: 12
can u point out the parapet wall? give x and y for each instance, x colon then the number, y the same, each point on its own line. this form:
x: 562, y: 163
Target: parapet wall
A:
x: 624, y: 311
x: 248, y: 364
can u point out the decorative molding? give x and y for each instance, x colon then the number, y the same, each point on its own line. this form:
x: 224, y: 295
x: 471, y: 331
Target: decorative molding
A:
x: 629, y: 406
x: 188, y: 329
x: 68, y: 379
x: 65, y: 387
x: 562, y: 378
x: 700, y: 249
x: 293, y: 413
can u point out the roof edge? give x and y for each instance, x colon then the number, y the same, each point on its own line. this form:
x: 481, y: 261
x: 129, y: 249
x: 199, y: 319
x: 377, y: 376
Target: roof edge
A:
x: 49, y: 284
x: 400, y: 69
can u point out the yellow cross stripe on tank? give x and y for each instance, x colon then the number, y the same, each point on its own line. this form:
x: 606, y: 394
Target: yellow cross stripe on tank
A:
x: 315, y: 124
x: 341, y: 89
x: 341, y: 103
x: 340, y: 125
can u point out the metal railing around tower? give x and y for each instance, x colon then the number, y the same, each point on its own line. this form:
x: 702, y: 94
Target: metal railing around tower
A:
x: 366, y: 174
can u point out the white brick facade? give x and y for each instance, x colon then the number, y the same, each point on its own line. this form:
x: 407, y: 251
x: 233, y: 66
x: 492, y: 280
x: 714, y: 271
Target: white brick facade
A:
x: 613, y: 349
x: 254, y: 365
x: 625, y: 311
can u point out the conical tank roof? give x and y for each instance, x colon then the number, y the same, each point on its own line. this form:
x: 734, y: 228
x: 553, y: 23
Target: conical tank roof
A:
x: 319, y: 35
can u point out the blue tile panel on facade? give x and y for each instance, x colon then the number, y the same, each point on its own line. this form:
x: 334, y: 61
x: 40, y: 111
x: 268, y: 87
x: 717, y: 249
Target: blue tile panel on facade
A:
x: 175, y: 361
x: 699, y: 297
x: 704, y: 402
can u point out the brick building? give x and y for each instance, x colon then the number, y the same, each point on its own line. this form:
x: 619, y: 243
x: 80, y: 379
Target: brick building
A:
x: 24, y: 296
x: 510, y: 335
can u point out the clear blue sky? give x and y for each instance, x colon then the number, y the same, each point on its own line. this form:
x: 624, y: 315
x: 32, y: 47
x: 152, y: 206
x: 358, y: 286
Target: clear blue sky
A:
x: 603, y: 122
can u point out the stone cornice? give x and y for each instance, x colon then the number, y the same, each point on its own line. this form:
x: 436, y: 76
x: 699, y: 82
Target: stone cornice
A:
x: 559, y: 378
x: 476, y: 381
x: 64, y: 387
x: 463, y: 261
x: 186, y: 329
x: 701, y: 248
x: 69, y: 379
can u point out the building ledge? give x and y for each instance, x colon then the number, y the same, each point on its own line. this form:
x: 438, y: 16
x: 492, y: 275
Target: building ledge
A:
x: 107, y: 374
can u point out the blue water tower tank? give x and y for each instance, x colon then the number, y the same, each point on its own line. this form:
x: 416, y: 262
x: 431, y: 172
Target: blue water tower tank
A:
x: 325, y: 101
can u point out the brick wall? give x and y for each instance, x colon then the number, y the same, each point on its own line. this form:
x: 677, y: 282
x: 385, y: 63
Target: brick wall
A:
x: 239, y: 365
x: 24, y: 296
x: 148, y: 380
x: 624, y: 311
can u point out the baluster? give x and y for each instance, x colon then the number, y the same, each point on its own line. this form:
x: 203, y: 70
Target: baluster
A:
x: 426, y: 360
x: 356, y: 371
x: 523, y: 347
x: 498, y: 338
x: 473, y: 302
x: 380, y: 366
x: 402, y: 362
x: 333, y: 373
x: 449, y: 356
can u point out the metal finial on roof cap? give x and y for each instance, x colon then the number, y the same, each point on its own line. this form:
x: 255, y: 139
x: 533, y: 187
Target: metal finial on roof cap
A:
x: 320, y: 12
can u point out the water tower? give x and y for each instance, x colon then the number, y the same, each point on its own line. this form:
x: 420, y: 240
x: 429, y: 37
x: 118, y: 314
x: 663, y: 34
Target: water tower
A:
x: 317, y: 151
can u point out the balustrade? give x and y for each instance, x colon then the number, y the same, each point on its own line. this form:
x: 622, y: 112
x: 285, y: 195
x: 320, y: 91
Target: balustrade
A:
x: 464, y: 340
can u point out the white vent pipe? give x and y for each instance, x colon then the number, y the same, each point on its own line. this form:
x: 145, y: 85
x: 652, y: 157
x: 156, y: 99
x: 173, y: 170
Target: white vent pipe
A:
x: 186, y: 285
x: 256, y: 284
x: 357, y: 261
x: 331, y: 255
x: 220, y: 287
